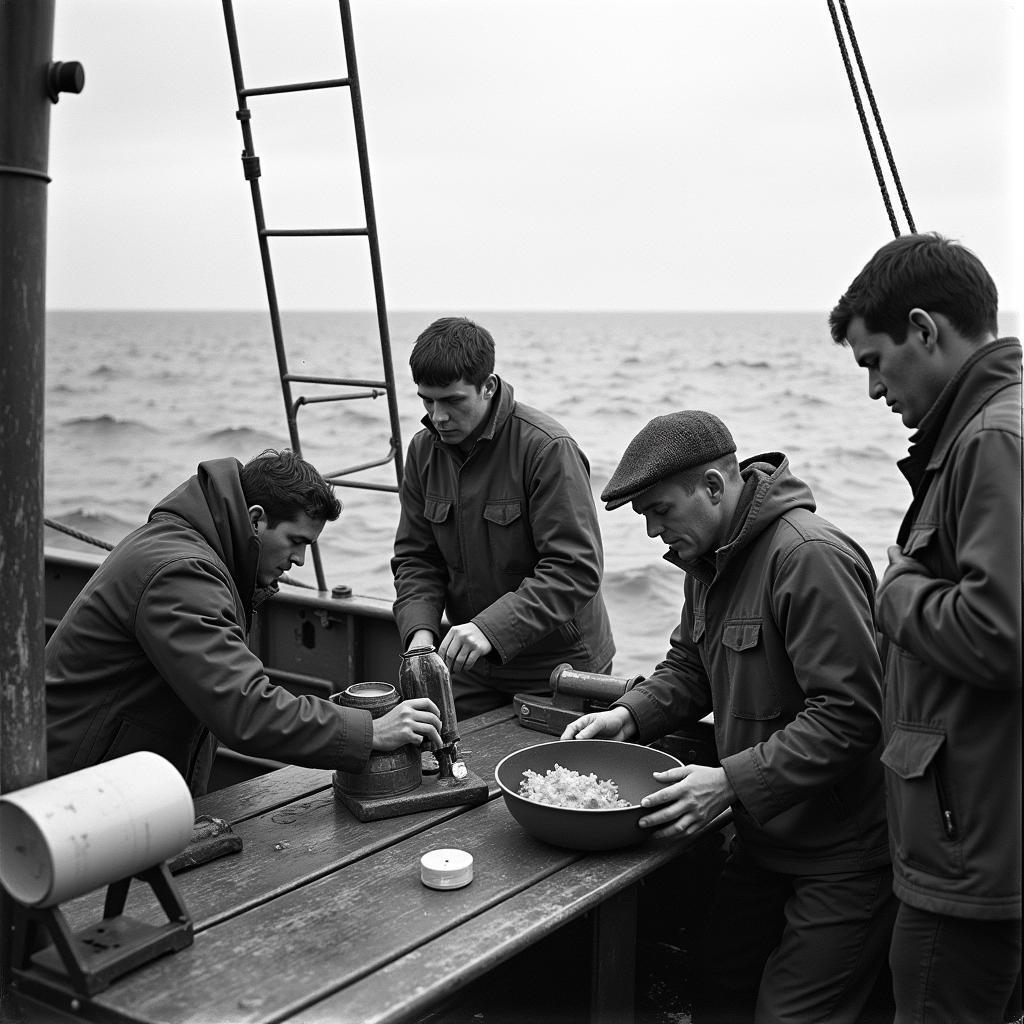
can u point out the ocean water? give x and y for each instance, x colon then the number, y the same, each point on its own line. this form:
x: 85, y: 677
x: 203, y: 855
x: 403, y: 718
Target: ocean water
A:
x: 134, y: 400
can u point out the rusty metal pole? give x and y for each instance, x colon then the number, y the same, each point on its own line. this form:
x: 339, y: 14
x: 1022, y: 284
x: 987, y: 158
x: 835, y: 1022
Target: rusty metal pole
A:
x: 29, y: 84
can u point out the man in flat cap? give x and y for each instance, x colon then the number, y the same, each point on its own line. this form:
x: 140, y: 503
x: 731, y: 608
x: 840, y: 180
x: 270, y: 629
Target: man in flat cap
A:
x: 776, y: 638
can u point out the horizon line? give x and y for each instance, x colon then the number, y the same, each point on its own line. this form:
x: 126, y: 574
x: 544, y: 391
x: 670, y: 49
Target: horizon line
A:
x: 481, y: 310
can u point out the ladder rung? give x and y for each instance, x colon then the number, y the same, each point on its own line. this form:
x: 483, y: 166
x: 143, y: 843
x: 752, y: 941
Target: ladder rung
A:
x: 270, y: 90
x: 311, y: 232
x: 338, y: 381
x: 362, y: 485
x: 305, y: 400
x: 334, y: 477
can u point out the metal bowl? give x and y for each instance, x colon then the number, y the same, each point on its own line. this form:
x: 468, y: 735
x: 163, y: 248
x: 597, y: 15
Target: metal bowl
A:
x: 628, y: 765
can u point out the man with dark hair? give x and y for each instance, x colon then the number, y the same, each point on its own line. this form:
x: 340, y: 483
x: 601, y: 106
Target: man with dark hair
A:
x: 921, y: 319
x: 152, y: 654
x: 776, y: 638
x: 498, y: 529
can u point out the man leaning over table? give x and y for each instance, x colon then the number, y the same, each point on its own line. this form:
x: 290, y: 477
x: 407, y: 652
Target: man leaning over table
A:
x: 776, y: 638
x: 152, y: 654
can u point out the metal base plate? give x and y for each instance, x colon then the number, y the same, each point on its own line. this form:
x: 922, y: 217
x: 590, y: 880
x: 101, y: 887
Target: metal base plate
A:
x: 540, y: 714
x: 434, y: 792
x: 104, y: 952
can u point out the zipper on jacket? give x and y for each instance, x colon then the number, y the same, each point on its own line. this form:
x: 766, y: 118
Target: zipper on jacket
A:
x: 947, y: 815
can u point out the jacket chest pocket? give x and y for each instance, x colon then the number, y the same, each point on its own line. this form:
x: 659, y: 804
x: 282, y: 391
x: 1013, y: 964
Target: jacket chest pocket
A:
x: 752, y: 693
x: 509, y: 543
x: 918, y: 541
x: 923, y: 545
x: 440, y: 513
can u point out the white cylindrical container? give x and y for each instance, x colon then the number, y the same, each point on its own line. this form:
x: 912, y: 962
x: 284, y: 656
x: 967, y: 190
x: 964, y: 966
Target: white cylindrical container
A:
x: 73, y: 834
x: 446, y: 869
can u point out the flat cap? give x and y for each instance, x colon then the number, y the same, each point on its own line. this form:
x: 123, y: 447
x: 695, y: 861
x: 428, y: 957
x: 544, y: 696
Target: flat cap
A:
x: 667, y: 445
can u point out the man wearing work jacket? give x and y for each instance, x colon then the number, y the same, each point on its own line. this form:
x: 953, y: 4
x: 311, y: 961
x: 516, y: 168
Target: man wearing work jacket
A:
x: 921, y: 319
x: 498, y: 530
x: 777, y: 639
x: 152, y: 655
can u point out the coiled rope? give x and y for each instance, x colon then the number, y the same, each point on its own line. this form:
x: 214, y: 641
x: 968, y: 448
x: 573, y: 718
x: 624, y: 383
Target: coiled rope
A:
x: 863, y: 117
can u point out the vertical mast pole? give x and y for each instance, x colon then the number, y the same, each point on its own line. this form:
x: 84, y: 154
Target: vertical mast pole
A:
x: 29, y: 84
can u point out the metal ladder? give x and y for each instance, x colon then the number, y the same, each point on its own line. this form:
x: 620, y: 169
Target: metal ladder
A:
x: 251, y: 168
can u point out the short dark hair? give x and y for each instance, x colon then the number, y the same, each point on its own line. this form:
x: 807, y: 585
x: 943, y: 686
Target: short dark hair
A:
x: 928, y: 271
x: 692, y: 478
x: 286, y: 485
x: 450, y: 349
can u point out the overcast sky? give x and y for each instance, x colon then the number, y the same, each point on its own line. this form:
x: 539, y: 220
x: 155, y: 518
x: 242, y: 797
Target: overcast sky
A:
x: 527, y: 154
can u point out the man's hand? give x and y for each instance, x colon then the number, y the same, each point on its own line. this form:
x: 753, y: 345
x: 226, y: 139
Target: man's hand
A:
x: 463, y: 646
x: 615, y: 724
x: 698, y: 795
x: 413, y: 721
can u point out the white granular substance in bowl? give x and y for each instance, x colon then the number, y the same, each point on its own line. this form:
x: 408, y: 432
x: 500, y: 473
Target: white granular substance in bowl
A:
x: 563, y: 787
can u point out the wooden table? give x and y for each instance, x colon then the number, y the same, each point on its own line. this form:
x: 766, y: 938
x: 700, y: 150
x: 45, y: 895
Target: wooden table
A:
x: 322, y: 919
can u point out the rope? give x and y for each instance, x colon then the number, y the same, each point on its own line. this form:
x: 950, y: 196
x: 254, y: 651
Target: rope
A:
x: 878, y: 117
x: 78, y: 535
x: 60, y: 527
x: 863, y: 117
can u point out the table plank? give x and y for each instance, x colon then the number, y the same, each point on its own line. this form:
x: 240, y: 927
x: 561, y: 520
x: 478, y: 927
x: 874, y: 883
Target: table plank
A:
x: 264, y: 793
x: 321, y: 912
x: 411, y: 985
x: 293, y: 844
x: 272, y: 962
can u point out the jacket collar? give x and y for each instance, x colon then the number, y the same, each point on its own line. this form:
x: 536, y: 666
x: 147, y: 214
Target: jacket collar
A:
x: 770, y: 490
x: 993, y: 367
x: 501, y: 409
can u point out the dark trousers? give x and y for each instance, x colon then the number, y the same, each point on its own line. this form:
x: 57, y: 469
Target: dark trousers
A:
x: 953, y: 970
x: 792, y: 949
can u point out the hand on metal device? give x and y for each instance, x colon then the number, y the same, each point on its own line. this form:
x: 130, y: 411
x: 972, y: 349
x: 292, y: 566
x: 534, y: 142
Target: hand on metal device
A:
x: 414, y: 721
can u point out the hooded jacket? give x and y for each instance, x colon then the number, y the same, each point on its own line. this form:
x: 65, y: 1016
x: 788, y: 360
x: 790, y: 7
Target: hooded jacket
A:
x: 152, y: 654
x: 506, y: 538
x: 777, y: 638
x: 953, y: 667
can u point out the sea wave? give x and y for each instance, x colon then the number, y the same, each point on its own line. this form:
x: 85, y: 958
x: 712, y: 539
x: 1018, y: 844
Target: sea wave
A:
x: 106, y: 426
x: 121, y: 436
x: 93, y: 524
x: 250, y: 440
x: 735, y: 364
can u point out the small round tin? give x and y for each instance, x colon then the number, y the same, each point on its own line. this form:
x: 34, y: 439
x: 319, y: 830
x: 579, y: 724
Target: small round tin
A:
x: 446, y: 869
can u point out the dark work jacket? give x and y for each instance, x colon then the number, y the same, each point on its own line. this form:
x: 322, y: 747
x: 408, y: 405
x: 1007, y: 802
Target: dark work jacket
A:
x: 953, y: 668
x: 508, y: 539
x: 777, y: 637
x: 152, y: 654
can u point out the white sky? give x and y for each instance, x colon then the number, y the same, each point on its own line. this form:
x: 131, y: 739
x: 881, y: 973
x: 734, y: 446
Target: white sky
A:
x: 527, y: 154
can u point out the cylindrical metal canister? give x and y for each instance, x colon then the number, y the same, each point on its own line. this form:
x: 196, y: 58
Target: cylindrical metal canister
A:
x: 388, y: 772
